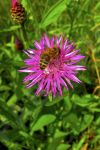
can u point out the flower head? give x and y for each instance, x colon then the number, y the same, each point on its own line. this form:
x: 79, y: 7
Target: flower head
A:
x: 60, y: 68
x: 18, y: 13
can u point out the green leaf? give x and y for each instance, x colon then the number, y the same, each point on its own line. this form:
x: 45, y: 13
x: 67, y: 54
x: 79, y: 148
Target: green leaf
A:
x: 73, y: 121
x: 9, y: 135
x: 95, y: 110
x: 59, y: 133
x: 71, y: 118
x: 43, y: 121
x: 4, y: 88
x: 24, y: 134
x: 63, y: 147
x: 87, y: 120
x: 12, y: 100
x: 48, y: 103
x: 12, y: 28
x: 54, y: 143
x: 80, y: 143
x: 10, y: 115
x: 68, y: 103
x: 82, y: 101
x: 97, y: 122
x: 53, y: 13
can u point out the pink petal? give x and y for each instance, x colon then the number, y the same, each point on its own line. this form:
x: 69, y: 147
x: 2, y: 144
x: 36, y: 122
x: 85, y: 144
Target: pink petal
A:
x: 77, y: 57
x: 31, y: 76
x: 37, y: 45
x: 28, y: 54
x: 42, y: 43
x: 52, y: 42
x: 47, y: 41
x: 59, y: 86
x: 37, y: 79
x: 69, y: 48
x: 58, y: 40
x: 65, y: 43
x: 69, y: 55
x: 64, y: 84
x: 32, y: 61
x: 14, y: 3
x: 25, y: 70
x: 74, y: 78
x: 48, y: 86
x: 75, y: 67
x: 41, y: 86
x: 53, y: 84
x: 68, y: 81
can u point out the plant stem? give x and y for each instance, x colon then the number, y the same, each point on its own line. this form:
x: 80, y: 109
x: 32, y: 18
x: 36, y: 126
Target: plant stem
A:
x: 96, y: 68
x: 24, y: 36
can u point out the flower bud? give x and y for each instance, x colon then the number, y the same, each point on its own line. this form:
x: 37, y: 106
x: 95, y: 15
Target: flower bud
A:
x: 18, y: 12
x: 19, y: 45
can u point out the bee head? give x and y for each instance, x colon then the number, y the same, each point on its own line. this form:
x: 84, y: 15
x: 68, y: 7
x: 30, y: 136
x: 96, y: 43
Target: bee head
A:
x: 45, y: 56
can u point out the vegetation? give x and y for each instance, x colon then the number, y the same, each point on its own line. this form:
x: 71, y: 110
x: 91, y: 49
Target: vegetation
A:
x: 70, y: 122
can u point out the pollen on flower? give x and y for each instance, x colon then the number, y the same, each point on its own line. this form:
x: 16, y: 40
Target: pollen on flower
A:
x: 46, y: 71
x: 52, y: 65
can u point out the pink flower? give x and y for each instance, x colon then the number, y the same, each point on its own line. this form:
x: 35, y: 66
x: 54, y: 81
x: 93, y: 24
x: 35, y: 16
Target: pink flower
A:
x: 59, y: 72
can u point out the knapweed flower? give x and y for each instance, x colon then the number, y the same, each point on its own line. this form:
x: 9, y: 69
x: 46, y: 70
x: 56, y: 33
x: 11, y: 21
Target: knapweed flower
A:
x: 18, y: 13
x: 58, y: 68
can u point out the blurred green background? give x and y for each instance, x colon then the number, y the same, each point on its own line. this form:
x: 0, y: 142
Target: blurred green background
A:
x: 71, y: 122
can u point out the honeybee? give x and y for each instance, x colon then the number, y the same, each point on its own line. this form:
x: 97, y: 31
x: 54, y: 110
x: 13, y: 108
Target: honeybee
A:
x: 48, y: 55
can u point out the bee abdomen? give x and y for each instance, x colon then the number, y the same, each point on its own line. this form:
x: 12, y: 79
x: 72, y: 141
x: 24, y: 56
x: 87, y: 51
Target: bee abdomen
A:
x: 43, y: 64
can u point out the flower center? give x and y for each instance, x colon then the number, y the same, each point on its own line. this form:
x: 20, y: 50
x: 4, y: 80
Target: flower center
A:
x: 54, y: 65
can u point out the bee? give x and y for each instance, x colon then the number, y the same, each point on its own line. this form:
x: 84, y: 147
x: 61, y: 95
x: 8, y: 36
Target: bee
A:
x: 48, y: 55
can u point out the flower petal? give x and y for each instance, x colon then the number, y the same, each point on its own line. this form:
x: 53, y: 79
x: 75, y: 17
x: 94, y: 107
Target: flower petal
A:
x: 64, y: 84
x: 68, y: 81
x: 42, y: 43
x: 69, y: 55
x: 53, y: 85
x: 52, y: 42
x: 69, y: 47
x: 59, y: 86
x: 41, y: 86
x: 65, y: 43
x: 48, y: 86
x: 30, y: 77
x: 77, y: 57
x: 37, y: 79
x: 74, y: 78
x: 37, y: 45
x: 25, y: 70
x: 28, y: 54
x: 47, y: 41
x: 58, y: 40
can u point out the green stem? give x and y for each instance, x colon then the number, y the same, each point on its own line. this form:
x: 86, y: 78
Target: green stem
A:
x: 24, y: 36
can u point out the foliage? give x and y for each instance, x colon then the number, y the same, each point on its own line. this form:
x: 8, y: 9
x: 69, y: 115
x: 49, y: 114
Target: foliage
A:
x: 71, y: 122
